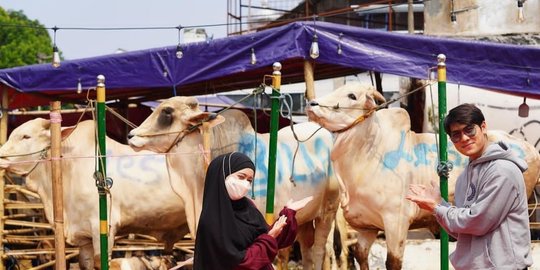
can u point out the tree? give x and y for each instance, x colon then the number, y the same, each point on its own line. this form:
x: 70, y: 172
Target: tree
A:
x: 21, y: 40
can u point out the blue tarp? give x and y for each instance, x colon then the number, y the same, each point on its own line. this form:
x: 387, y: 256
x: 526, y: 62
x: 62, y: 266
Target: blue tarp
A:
x: 224, y: 64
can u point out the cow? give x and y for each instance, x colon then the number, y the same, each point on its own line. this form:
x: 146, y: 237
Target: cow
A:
x: 168, y: 129
x: 376, y: 156
x: 141, y: 198
x: 141, y: 263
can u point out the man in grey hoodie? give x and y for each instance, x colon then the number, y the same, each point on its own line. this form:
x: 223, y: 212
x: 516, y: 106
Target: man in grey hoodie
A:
x: 489, y: 218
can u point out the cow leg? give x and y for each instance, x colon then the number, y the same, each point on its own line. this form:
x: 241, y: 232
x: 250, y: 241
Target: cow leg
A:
x: 97, y: 249
x: 396, y: 234
x: 86, y: 257
x: 342, y: 235
x: 305, y: 238
x: 283, y: 258
x: 322, y: 231
x: 361, y: 250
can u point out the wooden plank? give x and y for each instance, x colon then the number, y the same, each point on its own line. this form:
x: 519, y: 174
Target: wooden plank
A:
x: 24, y: 206
x: 21, y: 189
x: 22, y: 231
x: 30, y: 237
x: 42, y: 251
x: 27, y: 224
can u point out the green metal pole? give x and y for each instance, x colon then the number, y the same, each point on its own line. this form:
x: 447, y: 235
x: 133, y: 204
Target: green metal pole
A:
x: 443, y: 155
x: 274, y: 126
x: 102, y: 165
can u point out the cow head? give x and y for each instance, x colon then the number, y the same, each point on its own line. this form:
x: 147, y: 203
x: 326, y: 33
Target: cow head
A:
x: 171, y: 120
x: 341, y: 108
x: 27, y: 145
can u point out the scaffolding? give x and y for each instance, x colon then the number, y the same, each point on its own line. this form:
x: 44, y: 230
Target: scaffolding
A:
x: 244, y: 16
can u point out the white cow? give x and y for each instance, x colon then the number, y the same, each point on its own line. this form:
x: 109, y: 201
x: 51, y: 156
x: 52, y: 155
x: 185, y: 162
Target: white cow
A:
x: 376, y: 156
x: 141, y: 196
x: 168, y: 128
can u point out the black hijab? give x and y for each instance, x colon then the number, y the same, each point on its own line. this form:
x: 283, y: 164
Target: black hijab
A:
x: 226, y: 227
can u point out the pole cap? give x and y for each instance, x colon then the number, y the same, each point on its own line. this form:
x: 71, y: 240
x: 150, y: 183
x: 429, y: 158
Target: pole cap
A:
x: 100, y: 80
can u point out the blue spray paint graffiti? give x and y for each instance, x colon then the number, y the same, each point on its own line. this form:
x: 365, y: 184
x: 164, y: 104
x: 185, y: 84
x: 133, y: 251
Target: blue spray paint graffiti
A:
x: 284, y: 162
x: 131, y: 167
x: 419, y: 156
x: 421, y: 151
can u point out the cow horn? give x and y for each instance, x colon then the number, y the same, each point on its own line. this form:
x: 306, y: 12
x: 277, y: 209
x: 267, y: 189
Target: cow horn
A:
x: 378, y: 96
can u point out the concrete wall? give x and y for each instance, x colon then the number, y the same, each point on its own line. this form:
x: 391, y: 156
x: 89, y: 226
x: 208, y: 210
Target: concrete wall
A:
x: 480, y: 17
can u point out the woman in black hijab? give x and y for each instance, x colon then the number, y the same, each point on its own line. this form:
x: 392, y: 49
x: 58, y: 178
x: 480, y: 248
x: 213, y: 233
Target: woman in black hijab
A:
x: 232, y: 233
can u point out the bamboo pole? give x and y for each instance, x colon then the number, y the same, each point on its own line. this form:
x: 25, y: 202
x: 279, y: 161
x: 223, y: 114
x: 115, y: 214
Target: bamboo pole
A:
x: 58, y: 194
x: 3, y: 139
x: 310, y: 80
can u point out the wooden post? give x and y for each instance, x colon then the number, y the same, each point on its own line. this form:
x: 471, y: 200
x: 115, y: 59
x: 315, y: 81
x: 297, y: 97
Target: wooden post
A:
x: 58, y: 188
x: 4, y: 119
x: 310, y: 80
x: 3, y: 139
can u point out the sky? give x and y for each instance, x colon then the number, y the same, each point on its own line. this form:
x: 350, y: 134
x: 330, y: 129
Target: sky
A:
x: 76, y: 44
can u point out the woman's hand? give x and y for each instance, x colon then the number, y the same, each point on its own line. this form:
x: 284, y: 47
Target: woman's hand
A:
x: 278, y: 226
x: 296, y: 206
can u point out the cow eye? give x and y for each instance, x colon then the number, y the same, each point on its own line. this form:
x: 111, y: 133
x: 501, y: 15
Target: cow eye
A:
x: 352, y: 96
x: 25, y: 137
x: 165, y: 117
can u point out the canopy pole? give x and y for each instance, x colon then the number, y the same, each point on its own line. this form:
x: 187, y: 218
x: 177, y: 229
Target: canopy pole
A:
x: 274, y: 126
x: 310, y: 80
x: 102, y: 165
x: 443, y: 155
x: 58, y: 188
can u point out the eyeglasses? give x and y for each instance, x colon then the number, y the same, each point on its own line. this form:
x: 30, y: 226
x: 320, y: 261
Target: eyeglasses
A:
x: 469, y: 131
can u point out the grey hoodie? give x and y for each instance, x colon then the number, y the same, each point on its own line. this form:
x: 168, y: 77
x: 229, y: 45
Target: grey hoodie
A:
x: 490, y: 218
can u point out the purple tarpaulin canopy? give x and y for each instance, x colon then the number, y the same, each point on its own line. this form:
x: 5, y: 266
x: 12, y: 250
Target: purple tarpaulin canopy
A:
x: 224, y: 64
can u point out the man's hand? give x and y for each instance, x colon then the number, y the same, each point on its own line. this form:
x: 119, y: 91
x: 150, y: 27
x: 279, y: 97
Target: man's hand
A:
x: 426, y: 197
x: 296, y: 206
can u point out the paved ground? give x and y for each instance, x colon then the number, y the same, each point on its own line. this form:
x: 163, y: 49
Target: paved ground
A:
x: 425, y: 254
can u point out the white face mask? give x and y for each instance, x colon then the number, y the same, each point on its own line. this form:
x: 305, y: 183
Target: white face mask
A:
x: 236, y: 188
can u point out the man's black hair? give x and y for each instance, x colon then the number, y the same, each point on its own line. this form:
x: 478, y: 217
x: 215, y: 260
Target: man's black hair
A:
x: 465, y: 114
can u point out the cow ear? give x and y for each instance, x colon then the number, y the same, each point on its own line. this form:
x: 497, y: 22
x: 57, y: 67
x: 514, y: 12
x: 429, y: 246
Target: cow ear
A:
x: 212, y: 118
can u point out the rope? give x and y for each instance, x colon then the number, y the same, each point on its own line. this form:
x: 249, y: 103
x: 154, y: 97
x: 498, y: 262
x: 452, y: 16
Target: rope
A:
x: 125, y: 120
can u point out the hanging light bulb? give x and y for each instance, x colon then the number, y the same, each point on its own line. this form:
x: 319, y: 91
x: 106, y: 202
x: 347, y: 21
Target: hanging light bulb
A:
x: 56, y: 57
x: 520, y: 17
x: 253, y: 57
x: 314, y: 49
x: 453, y: 18
x: 179, y: 51
x: 523, y: 110
x: 79, y: 87
x: 56, y: 54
